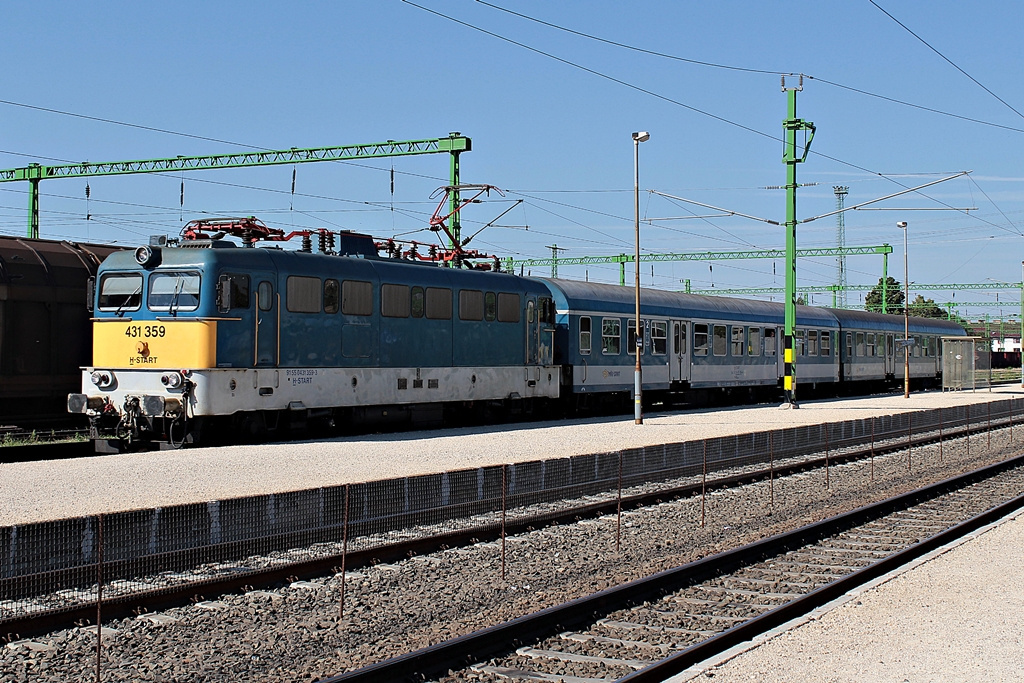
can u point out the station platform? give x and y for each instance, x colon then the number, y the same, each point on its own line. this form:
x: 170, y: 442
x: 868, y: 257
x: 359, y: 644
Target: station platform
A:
x: 50, y: 490
x: 956, y: 614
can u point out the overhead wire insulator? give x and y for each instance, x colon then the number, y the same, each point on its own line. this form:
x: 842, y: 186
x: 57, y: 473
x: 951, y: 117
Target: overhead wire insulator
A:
x: 307, y: 243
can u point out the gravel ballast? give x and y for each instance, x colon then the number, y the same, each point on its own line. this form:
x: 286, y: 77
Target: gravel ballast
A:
x: 40, y: 491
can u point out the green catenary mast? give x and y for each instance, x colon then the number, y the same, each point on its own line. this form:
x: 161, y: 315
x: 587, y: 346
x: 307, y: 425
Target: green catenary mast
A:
x: 789, y: 157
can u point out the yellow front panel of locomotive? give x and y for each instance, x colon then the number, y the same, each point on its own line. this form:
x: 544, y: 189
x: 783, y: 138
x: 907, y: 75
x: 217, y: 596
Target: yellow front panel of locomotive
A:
x: 154, y: 344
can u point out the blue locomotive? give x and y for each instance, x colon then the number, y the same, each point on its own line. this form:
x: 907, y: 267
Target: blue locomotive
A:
x: 202, y: 337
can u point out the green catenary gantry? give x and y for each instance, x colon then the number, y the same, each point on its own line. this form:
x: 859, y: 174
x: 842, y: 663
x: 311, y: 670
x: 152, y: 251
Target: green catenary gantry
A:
x: 454, y: 144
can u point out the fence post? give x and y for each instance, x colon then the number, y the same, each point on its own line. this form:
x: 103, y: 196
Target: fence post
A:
x: 827, y: 481
x: 504, y: 507
x: 704, y: 483
x: 988, y: 424
x: 99, y: 597
x: 771, y: 469
x: 968, y: 406
x: 344, y: 557
x: 940, y: 435
x: 618, y: 510
x: 910, y: 438
x: 872, y: 449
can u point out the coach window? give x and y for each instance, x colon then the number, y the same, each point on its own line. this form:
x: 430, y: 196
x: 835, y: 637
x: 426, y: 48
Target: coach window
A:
x: 356, y: 297
x: 801, y: 343
x: 812, y: 342
x: 611, y: 335
x: 860, y: 344
x: 631, y: 336
x: 825, y: 341
x: 737, y: 340
x: 917, y: 347
x: 718, y: 341
x: 120, y: 292
x: 265, y: 296
x: 439, y: 303
x: 416, y: 306
x: 700, y: 339
x: 754, y: 341
x: 769, y: 341
x: 508, y: 307
x: 471, y: 304
x: 659, y: 337
x: 585, y: 335
x: 174, y: 291
x: 849, y: 344
x: 530, y: 306
x: 332, y: 296
x: 302, y: 294
x: 490, y: 307
x: 869, y: 344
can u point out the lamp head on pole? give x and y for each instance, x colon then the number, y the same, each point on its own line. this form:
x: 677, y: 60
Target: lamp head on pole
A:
x: 642, y: 136
x: 902, y: 225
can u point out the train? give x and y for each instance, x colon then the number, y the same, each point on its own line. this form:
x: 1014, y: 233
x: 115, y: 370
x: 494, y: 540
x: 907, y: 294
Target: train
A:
x: 201, y: 338
x: 45, y: 336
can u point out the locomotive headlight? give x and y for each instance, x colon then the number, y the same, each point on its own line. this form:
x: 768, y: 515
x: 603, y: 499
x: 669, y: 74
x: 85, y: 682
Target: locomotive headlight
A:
x: 101, y: 379
x: 147, y: 256
x: 172, y: 380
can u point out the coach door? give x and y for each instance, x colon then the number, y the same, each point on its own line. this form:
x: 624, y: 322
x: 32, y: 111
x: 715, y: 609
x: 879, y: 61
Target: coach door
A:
x: 679, y: 358
x: 267, y: 322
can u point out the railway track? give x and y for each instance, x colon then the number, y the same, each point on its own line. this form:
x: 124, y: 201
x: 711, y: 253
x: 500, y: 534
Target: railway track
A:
x: 655, y: 627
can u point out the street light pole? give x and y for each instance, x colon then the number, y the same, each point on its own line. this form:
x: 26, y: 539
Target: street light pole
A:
x: 906, y: 314
x: 638, y: 409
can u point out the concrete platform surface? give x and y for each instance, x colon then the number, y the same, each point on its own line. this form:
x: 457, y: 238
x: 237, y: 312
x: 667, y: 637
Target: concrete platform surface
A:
x: 956, y: 614
x: 37, y: 491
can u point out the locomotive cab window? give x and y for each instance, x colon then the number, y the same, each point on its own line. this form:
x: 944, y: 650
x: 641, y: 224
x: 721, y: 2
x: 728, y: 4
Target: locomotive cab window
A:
x: 173, y: 291
x: 585, y: 335
x: 120, y: 292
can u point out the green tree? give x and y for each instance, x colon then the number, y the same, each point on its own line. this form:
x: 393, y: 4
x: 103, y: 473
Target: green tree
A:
x: 925, y: 308
x: 894, y: 297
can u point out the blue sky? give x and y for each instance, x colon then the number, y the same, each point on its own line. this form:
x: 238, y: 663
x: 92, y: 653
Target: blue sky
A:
x: 556, y: 136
